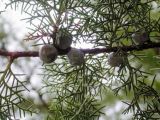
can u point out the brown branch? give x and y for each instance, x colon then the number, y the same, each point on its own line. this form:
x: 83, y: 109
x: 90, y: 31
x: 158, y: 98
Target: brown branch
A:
x: 124, y: 48
x: 17, y: 54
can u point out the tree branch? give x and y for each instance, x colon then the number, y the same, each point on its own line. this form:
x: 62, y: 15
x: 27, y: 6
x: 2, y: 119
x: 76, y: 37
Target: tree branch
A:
x: 17, y: 54
x: 124, y: 48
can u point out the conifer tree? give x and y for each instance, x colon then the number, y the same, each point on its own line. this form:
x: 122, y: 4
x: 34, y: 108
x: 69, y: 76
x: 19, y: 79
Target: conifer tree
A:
x: 124, y: 58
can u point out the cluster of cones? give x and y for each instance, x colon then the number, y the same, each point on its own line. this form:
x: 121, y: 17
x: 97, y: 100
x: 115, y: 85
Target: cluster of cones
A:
x: 63, y: 40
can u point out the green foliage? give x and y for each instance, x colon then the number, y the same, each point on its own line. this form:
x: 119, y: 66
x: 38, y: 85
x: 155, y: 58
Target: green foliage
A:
x: 10, y: 94
x: 75, y: 90
x: 78, y: 91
